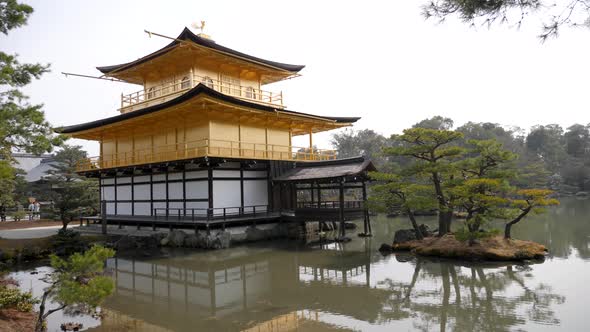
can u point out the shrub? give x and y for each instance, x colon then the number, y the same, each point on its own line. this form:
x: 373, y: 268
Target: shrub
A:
x: 19, y: 215
x: 14, y: 298
x: 463, y: 234
x: 67, y: 242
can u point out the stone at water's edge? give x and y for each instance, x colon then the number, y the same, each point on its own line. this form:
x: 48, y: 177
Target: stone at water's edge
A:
x: 126, y: 242
x: 191, y: 241
x: 176, y: 238
x: 385, y: 248
x: 255, y: 234
x: 404, y: 235
x: 425, y: 230
x: 224, y: 239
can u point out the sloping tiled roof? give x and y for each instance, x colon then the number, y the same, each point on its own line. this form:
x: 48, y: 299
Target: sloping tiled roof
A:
x: 40, y: 171
x: 328, y: 169
x: 198, y: 89
x: 187, y: 35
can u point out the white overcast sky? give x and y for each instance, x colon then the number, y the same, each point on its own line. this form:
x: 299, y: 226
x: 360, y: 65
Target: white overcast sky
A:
x: 376, y: 59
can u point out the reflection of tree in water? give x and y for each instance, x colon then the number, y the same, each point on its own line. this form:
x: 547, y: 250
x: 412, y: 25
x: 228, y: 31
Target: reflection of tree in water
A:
x: 446, y: 296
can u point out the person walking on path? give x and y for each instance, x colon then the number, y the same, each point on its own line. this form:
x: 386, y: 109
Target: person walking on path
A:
x: 31, y: 211
x: 37, y: 210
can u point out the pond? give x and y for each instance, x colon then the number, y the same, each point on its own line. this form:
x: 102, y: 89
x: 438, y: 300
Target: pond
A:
x: 290, y: 285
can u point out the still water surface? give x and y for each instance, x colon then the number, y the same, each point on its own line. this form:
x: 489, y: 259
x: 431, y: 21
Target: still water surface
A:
x: 290, y: 285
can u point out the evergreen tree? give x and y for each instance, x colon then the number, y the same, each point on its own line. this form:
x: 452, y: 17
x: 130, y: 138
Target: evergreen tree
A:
x: 22, y: 125
x: 77, y: 281
x: 554, y: 15
x: 71, y: 194
x: 434, y: 155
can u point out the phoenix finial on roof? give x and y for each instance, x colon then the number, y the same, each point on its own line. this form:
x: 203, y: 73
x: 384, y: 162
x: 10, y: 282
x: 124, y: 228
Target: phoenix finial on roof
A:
x: 199, y: 27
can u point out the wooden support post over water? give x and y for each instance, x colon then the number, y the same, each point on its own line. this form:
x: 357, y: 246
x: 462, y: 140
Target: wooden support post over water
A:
x: 366, y: 219
x: 103, y: 215
x: 341, y: 206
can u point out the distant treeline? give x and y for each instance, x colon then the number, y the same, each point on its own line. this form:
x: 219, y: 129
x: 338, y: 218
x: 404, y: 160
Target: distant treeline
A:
x: 548, y: 155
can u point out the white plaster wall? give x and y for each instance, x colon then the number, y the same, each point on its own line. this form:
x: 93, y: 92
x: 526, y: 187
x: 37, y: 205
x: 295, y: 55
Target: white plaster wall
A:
x: 255, y: 192
x: 226, y: 194
x: 110, y: 208
x: 175, y: 190
x: 225, y: 174
x: 175, y: 205
x: 160, y: 205
x: 123, y: 208
x: 159, y: 190
x: 142, y: 209
x: 108, y: 193
x: 123, y: 193
x: 197, y: 190
x: 142, y: 178
x: 141, y: 192
x: 174, y: 176
x: 159, y: 177
x: 108, y: 181
x: 126, y: 179
x: 255, y: 174
x: 196, y: 174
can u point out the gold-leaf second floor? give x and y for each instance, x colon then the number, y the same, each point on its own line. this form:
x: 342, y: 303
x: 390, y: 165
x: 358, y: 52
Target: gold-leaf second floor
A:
x: 204, y: 123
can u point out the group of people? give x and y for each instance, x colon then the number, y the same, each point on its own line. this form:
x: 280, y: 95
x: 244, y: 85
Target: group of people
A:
x: 34, y: 211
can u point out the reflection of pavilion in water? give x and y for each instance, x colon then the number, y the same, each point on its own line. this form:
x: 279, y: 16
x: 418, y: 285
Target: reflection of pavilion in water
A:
x: 222, y: 292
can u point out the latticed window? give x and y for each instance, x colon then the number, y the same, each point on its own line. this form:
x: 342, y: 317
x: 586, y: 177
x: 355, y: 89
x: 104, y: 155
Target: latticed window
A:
x: 208, y: 82
x: 185, y: 83
x: 230, y: 85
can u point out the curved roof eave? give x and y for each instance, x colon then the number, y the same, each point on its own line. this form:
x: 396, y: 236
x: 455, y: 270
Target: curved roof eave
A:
x: 197, y: 90
x: 186, y: 34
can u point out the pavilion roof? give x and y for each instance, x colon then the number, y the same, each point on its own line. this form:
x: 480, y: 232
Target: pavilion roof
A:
x: 187, y: 35
x: 327, y: 170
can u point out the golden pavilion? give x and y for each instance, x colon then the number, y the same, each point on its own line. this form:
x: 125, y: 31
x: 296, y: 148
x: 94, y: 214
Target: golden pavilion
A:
x: 203, y: 138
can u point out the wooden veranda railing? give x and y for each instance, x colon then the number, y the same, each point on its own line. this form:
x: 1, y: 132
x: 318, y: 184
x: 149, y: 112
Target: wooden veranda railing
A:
x: 204, y: 148
x: 160, y: 93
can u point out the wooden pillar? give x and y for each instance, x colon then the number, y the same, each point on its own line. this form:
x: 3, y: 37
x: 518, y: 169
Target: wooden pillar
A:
x: 294, y: 195
x: 365, y: 214
x: 280, y: 184
x: 241, y: 188
x: 103, y: 214
x: 210, y: 187
x: 133, y: 193
x: 115, y: 193
x: 342, y: 230
x: 310, y: 141
x: 319, y: 194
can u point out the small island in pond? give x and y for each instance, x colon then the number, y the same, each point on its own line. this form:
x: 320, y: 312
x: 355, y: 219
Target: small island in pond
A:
x: 493, y: 248
x: 436, y: 170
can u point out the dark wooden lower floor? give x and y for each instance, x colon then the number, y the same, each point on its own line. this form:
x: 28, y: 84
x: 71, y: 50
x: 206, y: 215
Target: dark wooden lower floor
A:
x: 304, y: 214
